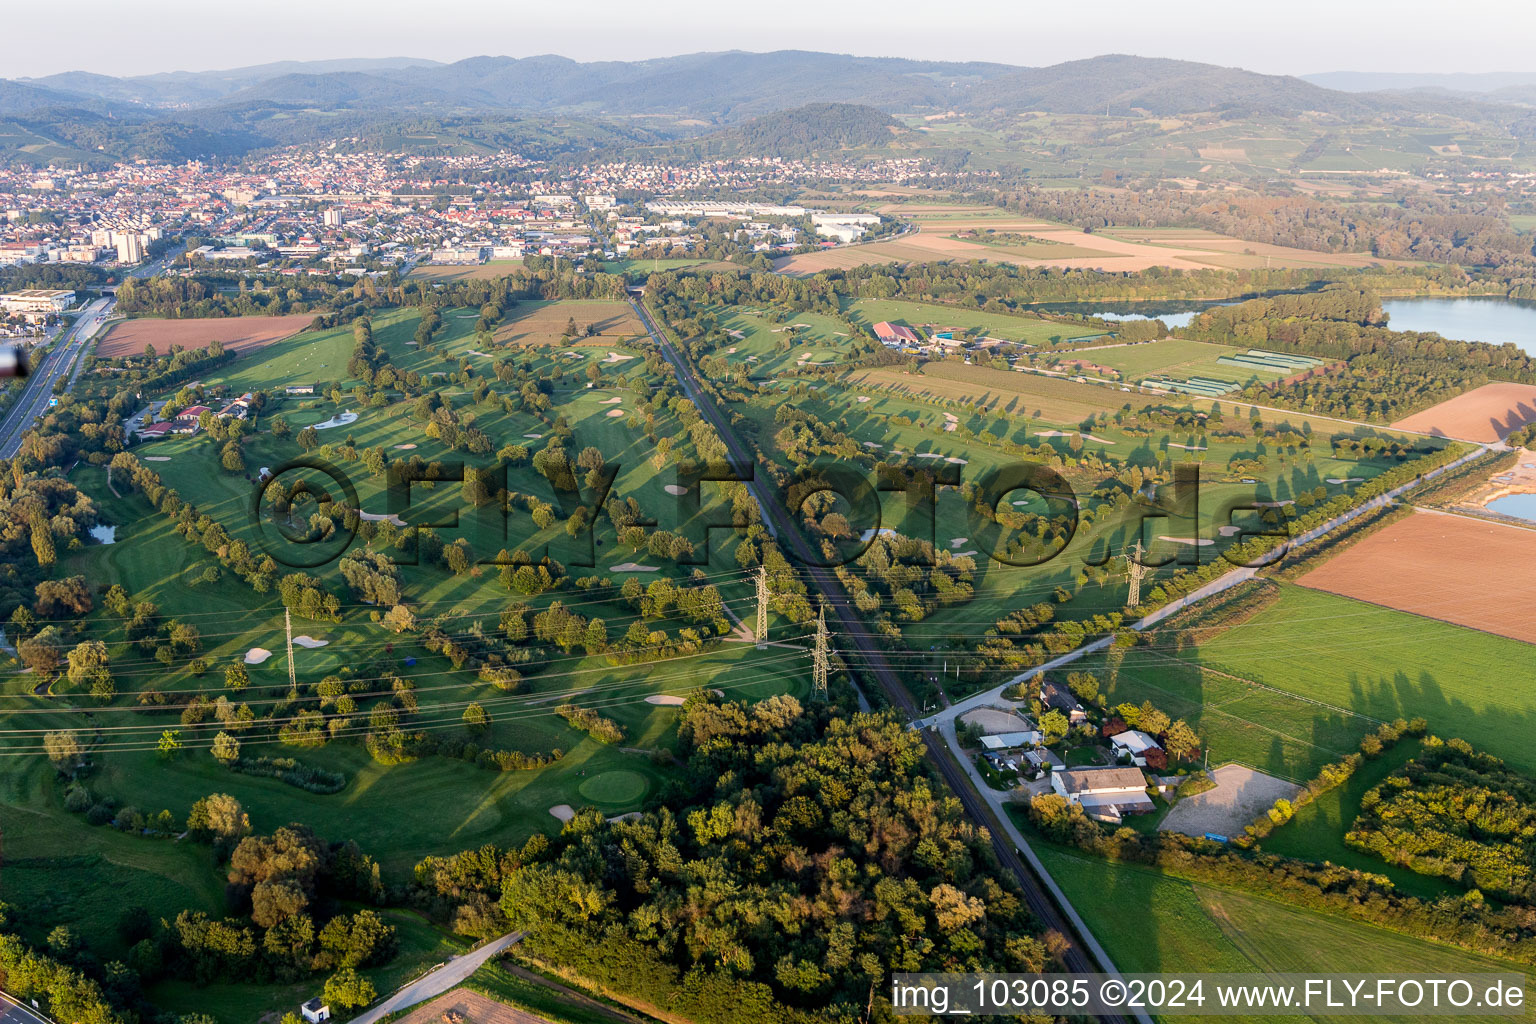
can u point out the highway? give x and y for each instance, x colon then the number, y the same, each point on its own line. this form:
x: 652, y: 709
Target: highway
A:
x: 13, y: 1011
x: 1076, y: 959
x: 62, y: 355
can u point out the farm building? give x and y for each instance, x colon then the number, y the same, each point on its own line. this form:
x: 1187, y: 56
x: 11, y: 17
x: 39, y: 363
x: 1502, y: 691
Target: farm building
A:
x: 315, y: 1011
x: 1006, y: 740
x: 896, y: 335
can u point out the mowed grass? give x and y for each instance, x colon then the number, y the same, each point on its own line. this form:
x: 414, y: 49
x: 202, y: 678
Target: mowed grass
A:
x: 769, y: 342
x: 975, y: 323
x: 1173, y: 357
x: 1187, y: 927
x: 1387, y: 664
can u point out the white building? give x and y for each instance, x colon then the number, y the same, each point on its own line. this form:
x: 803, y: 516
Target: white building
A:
x: 1105, y: 794
x: 37, y: 300
x: 1135, y: 743
x: 129, y: 248
x: 315, y: 1011
x: 332, y: 217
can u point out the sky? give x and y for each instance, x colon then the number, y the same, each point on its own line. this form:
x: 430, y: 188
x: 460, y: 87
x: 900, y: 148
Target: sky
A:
x: 1293, y: 37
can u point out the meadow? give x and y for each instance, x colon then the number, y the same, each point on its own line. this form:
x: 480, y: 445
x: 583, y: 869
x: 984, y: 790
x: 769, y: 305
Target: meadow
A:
x: 1385, y: 664
x: 1171, y: 357
x: 1183, y: 926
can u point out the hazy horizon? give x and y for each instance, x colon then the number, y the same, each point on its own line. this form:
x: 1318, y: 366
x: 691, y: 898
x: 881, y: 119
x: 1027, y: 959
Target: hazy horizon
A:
x: 1408, y: 36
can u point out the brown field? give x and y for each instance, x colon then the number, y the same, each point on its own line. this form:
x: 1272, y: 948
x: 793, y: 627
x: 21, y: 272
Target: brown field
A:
x: 1118, y: 249
x: 1045, y: 398
x: 1483, y: 414
x: 476, y: 1009
x: 483, y: 272
x: 545, y: 324
x: 1445, y: 567
x: 240, y: 333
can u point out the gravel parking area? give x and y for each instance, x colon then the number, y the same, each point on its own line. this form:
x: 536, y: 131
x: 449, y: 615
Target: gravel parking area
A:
x: 1240, y: 796
x: 995, y: 720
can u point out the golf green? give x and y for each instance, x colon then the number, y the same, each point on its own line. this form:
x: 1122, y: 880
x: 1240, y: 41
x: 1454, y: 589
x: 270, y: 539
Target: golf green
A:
x: 615, y: 787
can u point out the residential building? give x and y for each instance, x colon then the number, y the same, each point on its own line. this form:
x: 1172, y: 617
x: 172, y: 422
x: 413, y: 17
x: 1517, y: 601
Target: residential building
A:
x: 37, y: 300
x: 1105, y: 794
x: 1135, y: 743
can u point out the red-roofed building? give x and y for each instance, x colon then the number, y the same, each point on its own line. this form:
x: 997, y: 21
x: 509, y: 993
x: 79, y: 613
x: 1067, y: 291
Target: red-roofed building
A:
x: 191, y: 413
x: 895, y: 335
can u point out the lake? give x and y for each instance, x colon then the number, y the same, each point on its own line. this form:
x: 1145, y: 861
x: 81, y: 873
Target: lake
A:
x: 1175, y: 315
x: 1479, y: 318
x: 1521, y: 506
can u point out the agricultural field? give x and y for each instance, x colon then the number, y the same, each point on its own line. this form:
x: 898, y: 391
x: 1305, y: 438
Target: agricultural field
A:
x: 546, y: 323
x: 488, y: 270
x: 1356, y: 659
x: 1486, y: 414
x: 1192, y: 927
x: 237, y: 334
x: 957, y: 232
x: 1441, y: 566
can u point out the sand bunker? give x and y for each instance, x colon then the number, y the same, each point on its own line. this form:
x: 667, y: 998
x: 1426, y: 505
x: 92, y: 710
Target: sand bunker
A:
x: 405, y: 447
x: 565, y: 812
x: 612, y: 413
x: 1274, y: 504
x: 963, y: 554
x: 1229, y: 531
x: 306, y: 641
x: 339, y: 420
x: 862, y: 398
x: 1187, y: 447
x: 927, y: 455
x: 257, y: 655
x: 1053, y: 433
x: 632, y: 567
x: 869, y: 535
x: 533, y: 437
x: 1199, y: 542
x: 374, y: 517
x: 958, y: 541
x: 670, y: 700
x: 955, y: 460
x: 617, y: 357
x: 873, y: 444
x: 675, y: 489
x: 157, y: 458
x: 1099, y: 440
x: 1346, y: 479
x: 615, y: 400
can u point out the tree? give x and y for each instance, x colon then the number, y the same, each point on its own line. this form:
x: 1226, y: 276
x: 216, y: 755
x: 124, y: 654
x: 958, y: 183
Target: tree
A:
x: 346, y: 989
x: 70, y: 596
x: 1152, y: 721
x: 43, y: 651
x: 1054, y: 725
x: 88, y: 667
x: 64, y: 749
x: 1181, y: 741
x: 309, y: 439
x: 226, y: 749
x: 170, y: 744
x: 475, y: 716
x: 237, y: 677
x: 218, y: 816
x: 42, y: 539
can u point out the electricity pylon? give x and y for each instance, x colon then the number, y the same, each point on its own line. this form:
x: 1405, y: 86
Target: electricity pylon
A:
x: 293, y: 679
x: 762, y: 607
x: 1135, y: 571
x: 821, y: 657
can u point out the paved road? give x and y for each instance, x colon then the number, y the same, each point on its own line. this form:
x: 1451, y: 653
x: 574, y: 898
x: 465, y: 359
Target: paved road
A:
x: 436, y: 982
x: 63, y: 355
x: 13, y: 1012
x: 1046, y: 903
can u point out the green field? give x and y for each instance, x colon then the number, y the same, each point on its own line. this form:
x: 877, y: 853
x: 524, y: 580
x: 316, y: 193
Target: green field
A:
x: 1174, y: 358
x: 1386, y: 664
x: 978, y: 324
x: 1182, y: 926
